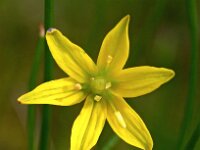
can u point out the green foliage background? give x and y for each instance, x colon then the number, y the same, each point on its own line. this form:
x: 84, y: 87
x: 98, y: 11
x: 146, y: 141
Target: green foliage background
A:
x: 159, y: 36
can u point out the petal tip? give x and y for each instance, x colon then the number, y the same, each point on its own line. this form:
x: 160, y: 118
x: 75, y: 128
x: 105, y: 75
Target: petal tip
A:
x: 22, y: 99
x: 171, y: 73
x: 19, y: 100
x: 51, y: 30
x: 128, y: 17
x: 168, y: 73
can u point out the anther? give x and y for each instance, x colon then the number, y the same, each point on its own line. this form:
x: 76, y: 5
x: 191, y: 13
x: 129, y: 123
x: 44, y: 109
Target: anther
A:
x: 108, y: 85
x: 109, y: 59
x: 120, y: 119
x: 78, y: 86
x: 97, y: 98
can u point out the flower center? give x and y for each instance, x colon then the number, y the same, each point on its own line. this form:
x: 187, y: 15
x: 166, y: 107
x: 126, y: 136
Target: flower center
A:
x: 98, y: 85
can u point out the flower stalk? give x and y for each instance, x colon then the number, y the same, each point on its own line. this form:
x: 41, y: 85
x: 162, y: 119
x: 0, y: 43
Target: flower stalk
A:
x: 192, y: 89
x: 32, y: 84
x: 110, y: 144
x: 194, y: 138
x: 46, y: 110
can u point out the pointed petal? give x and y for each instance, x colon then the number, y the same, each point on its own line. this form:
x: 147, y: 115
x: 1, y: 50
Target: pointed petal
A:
x: 70, y: 57
x: 88, y: 125
x: 115, y: 47
x: 138, y: 81
x: 63, y: 92
x: 127, y: 124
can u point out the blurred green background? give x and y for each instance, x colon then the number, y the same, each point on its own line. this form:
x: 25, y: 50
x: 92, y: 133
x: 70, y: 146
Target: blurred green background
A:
x: 159, y: 36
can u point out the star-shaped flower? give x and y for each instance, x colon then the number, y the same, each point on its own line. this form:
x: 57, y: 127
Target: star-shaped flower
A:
x: 103, y: 86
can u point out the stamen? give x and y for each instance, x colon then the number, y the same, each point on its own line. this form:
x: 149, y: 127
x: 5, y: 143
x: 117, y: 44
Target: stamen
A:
x: 120, y: 119
x: 77, y: 86
x: 97, y: 98
x: 92, y: 78
x: 108, y: 85
x: 109, y: 59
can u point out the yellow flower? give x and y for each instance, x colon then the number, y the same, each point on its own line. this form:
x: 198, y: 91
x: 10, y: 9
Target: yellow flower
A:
x: 103, y: 86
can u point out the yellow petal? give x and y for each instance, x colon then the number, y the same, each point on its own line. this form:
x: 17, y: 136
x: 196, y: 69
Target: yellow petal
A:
x: 70, y: 57
x: 127, y: 124
x: 63, y: 92
x: 88, y: 125
x: 115, y: 47
x: 138, y: 81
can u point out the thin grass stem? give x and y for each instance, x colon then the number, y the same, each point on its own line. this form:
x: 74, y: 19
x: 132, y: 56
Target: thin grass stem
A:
x: 31, y: 117
x: 111, y: 143
x: 194, y: 138
x: 192, y: 89
x: 48, y: 66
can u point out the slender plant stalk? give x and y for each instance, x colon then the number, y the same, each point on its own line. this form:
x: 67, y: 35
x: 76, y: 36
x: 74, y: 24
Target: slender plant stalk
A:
x: 111, y: 143
x: 194, y: 138
x: 32, y: 84
x: 46, y: 110
x: 192, y: 89
x: 31, y: 127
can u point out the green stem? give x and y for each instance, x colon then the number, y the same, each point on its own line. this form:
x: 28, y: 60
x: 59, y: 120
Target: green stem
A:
x: 32, y: 84
x: 46, y: 110
x: 194, y: 138
x: 192, y: 89
x: 31, y: 127
x: 111, y: 143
